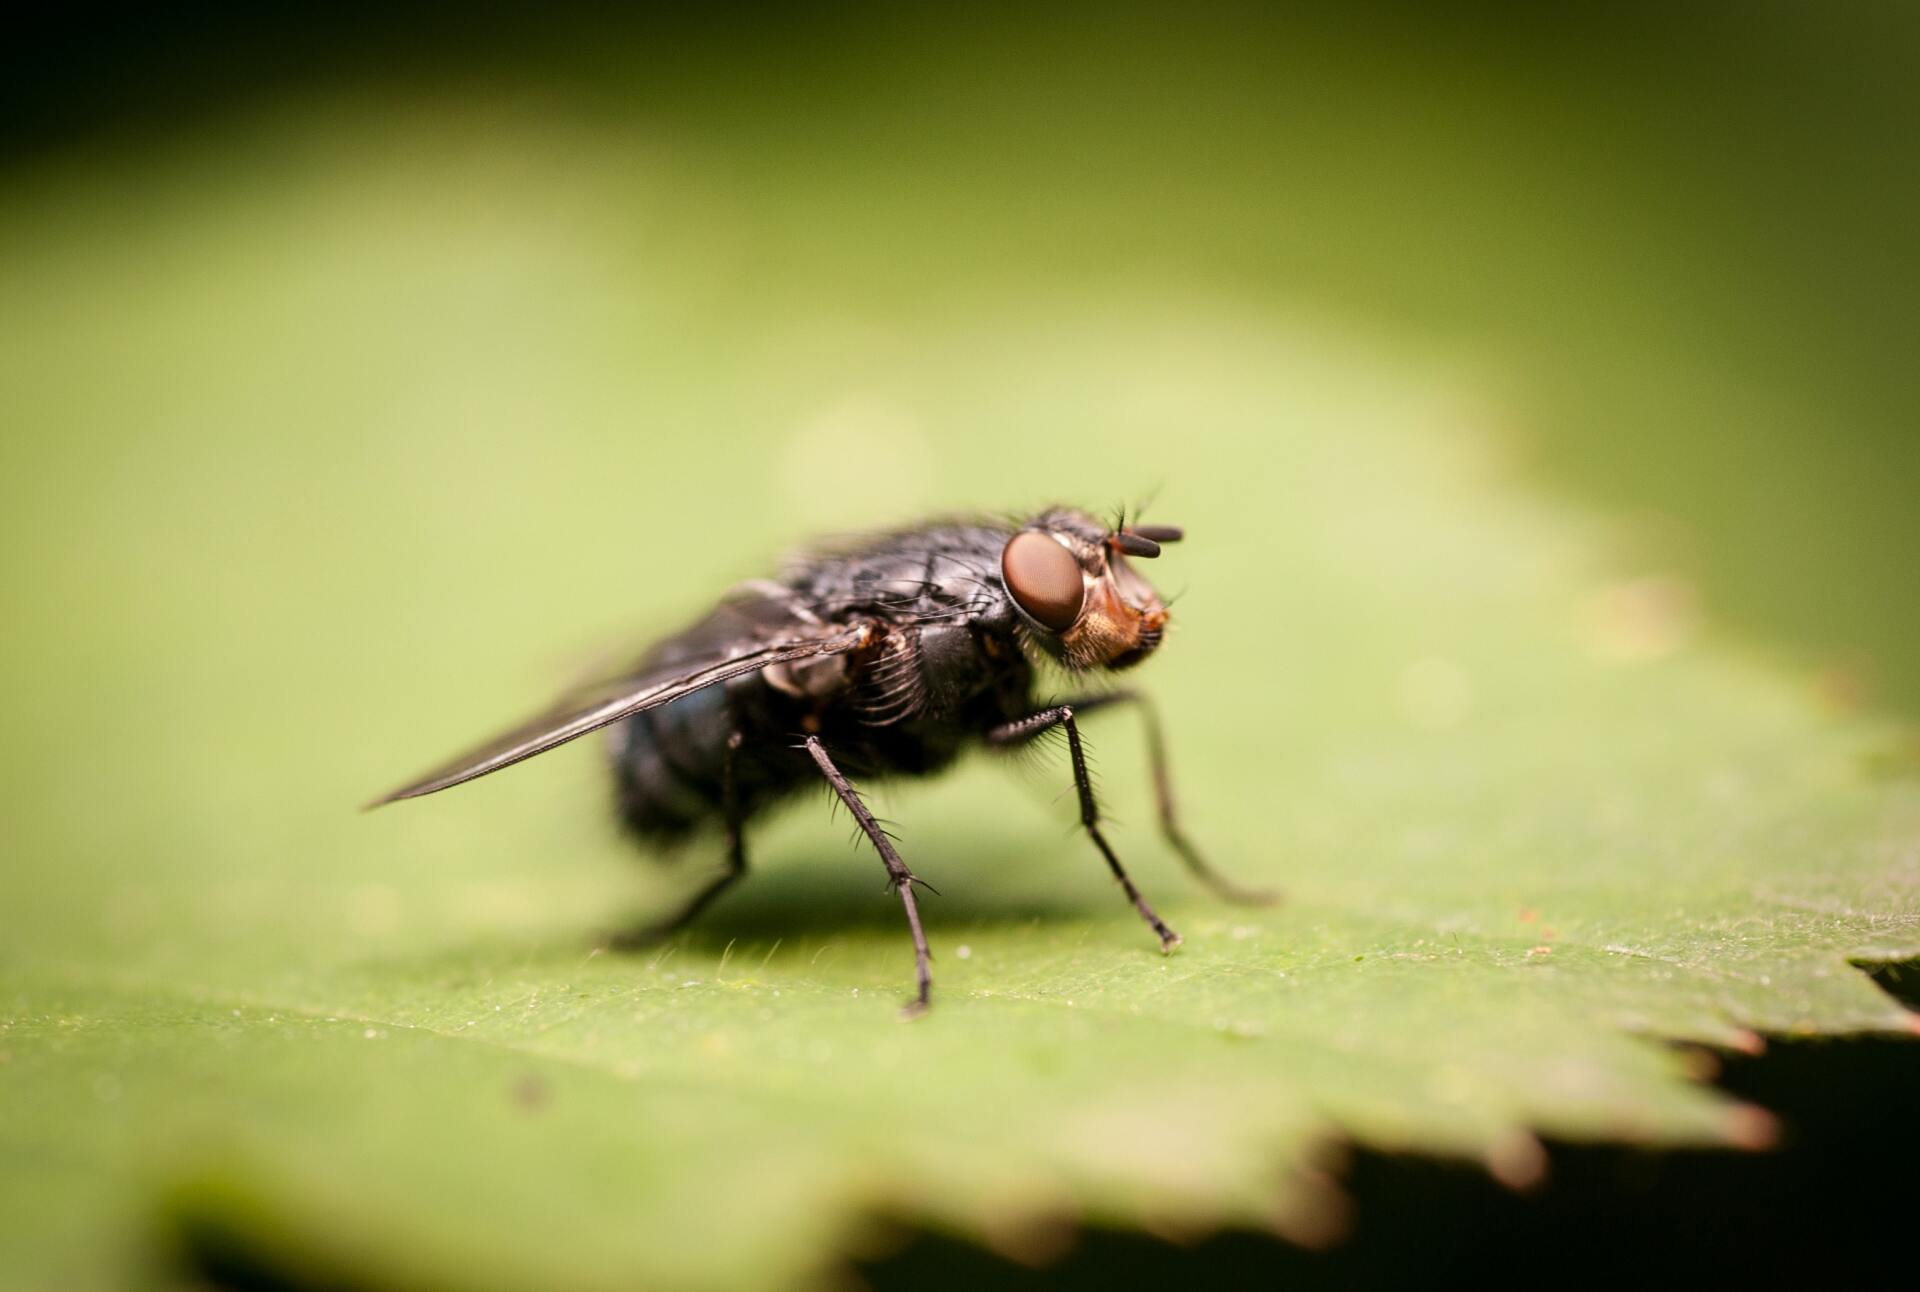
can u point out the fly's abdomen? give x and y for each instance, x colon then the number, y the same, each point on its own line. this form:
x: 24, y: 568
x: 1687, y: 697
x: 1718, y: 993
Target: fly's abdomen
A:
x: 669, y: 766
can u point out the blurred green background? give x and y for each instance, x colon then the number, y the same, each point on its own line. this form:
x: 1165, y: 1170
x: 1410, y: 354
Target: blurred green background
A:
x: 1675, y: 242
x: 363, y: 371
x: 1675, y: 239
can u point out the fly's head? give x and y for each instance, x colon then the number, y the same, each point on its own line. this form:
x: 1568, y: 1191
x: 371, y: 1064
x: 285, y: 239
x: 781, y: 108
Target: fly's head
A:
x: 1081, y: 601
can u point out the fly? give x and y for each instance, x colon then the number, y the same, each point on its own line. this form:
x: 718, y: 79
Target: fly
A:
x: 890, y: 656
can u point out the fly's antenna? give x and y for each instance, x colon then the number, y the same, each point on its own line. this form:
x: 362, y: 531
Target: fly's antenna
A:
x: 1144, y: 540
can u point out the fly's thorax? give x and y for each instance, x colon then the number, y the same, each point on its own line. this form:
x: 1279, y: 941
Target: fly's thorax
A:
x: 905, y: 671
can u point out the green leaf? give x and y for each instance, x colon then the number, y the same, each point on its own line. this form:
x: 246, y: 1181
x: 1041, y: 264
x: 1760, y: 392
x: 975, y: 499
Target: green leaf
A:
x: 334, y: 514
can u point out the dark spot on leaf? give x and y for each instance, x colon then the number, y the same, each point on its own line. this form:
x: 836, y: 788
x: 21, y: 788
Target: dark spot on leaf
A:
x: 1844, y: 686
x: 531, y: 1093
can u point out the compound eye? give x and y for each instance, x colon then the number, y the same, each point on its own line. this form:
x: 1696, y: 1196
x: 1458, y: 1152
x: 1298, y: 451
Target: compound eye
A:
x: 1044, y: 579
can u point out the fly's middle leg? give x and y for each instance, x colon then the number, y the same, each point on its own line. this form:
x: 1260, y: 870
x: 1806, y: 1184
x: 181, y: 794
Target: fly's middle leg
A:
x: 1062, y: 716
x: 899, y: 878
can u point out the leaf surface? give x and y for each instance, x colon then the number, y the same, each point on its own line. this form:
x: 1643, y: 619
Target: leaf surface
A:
x: 1533, y: 816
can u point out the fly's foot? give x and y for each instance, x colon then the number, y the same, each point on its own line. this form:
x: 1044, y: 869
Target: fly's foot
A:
x: 1228, y: 891
x: 923, y: 982
x: 1168, y: 938
x: 1216, y: 883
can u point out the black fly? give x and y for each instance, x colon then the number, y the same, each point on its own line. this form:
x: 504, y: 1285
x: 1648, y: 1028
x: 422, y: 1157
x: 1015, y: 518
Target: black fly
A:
x: 889, y: 657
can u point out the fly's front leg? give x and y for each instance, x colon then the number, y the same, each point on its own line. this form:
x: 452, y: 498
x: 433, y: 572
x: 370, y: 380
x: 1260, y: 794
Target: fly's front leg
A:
x: 899, y: 878
x: 1062, y: 716
x: 1164, y: 805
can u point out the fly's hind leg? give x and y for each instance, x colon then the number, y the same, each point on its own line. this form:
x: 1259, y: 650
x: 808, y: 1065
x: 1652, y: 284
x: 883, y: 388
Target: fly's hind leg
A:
x: 899, y: 878
x: 1163, y: 799
x: 736, y: 861
x: 1026, y: 728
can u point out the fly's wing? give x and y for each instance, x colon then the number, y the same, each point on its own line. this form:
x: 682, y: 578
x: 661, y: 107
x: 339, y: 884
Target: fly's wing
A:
x: 608, y: 704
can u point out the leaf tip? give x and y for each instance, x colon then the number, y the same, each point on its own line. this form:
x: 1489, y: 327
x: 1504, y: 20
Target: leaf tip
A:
x: 1315, y: 1213
x: 1034, y: 1239
x: 1518, y: 1160
x: 1751, y: 1127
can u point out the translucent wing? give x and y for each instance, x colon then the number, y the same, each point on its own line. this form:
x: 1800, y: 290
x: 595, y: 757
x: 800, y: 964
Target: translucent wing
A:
x: 608, y: 704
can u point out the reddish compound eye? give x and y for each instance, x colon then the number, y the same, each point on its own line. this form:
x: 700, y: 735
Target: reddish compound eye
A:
x: 1044, y: 579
